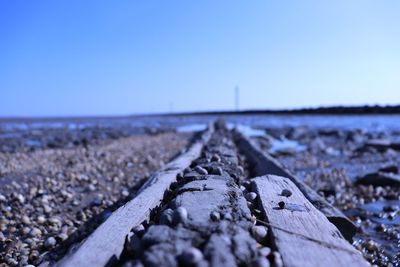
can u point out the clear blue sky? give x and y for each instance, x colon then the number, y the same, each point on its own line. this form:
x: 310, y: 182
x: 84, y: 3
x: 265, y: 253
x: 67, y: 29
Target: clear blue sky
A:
x: 125, y: 57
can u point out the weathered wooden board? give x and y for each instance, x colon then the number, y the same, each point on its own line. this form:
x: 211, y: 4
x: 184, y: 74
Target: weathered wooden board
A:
x: 106, y: 243
x: 301, y: 233
x: 263, y: 164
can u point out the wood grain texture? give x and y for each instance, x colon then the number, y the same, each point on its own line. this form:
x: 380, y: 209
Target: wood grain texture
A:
x: 263, y: 164
x: 106, y: 243
x: 301, y: 233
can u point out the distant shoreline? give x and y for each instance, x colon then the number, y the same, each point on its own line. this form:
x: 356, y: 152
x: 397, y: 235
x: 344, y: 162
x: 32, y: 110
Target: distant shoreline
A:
x: 333, y: 110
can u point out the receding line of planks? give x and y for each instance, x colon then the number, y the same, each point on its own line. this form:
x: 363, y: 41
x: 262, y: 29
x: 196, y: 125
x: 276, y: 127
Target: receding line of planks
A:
x: 104, y: 246
x: 303, y: 238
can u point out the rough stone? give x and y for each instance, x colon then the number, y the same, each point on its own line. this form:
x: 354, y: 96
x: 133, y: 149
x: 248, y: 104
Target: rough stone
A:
x: 50, y: 242
x: 191, y: 256
x: 251, y: 196
x: 201, y: 170
x: 167, y: 217
x: 259, y: 233
x: 180, y: 215
x: 286, y: 193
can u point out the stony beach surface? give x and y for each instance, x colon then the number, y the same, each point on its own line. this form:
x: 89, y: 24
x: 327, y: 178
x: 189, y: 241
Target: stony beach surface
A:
x: 58, y: 184
x: 356, y: 171
x: 54, y: 194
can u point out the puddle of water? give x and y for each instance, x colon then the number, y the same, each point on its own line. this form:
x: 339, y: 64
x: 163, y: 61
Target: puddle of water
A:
x: 378, y: 207
x: 33, y: 143
x: 284, y: 144
x: 191, y: 128
x: 246, y: 130
x: 10, y: 135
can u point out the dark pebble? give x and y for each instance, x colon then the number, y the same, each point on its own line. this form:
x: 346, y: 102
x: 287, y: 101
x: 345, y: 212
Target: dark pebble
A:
x: 286, y: 193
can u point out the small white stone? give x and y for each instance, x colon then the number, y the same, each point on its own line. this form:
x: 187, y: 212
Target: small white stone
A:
x: 25, y: 219
x: 180, y: 215
x: 41, y: 219
x: 50, y: 242
x: 215, y: 216
x: 259, y: 233
x: 201, y: 170
x: 167, y: 217
x: 251, y: 196
x: 125, y: 193
x: 35, y: 232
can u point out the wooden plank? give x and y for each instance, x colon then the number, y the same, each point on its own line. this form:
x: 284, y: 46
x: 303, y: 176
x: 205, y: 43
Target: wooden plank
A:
x: 106, y: 243
x: 263, y: 164
x: 301, y: 233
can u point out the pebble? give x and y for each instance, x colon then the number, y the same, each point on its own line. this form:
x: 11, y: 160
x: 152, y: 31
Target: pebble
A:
x: 217, y: 171
x: 124, y: 193
x: 286, y: 193
x: 134, y: 263
x: 201, y: 170
x: 63, y: 236
x: 264, y: 251
x: 371, y: 246
x: 191, y: 256
x: 25, y: 230
x: 2, y: 198
x: 25, y: 219
x: 251, y: 196
x: 380, y: 228
x: 259, y: 233
x: 261, y: 262
x: 41, y: 219
x: 92, y: 187
x: 281, y: 204
x: 216, y: 158
x: 139, y: 229
x: 35, y: 232
x: 167, y: 217
x: 277, y: 259
x: 97, y: 201
x: 50, y: 242
x: 2, y: 237
x: 20, y: 198
x: 55, y: 221
x: 180, y: 215
x: 12, y: 262
x: 228, y: 216
x: 47, y: 208
x: 215, y: 216
x: 134, y: 245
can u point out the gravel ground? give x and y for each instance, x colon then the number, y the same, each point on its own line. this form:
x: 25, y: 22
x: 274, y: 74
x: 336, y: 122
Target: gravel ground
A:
x: 53, y: 196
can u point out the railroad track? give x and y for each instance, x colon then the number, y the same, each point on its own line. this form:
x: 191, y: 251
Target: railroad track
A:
x: 223, y: 202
